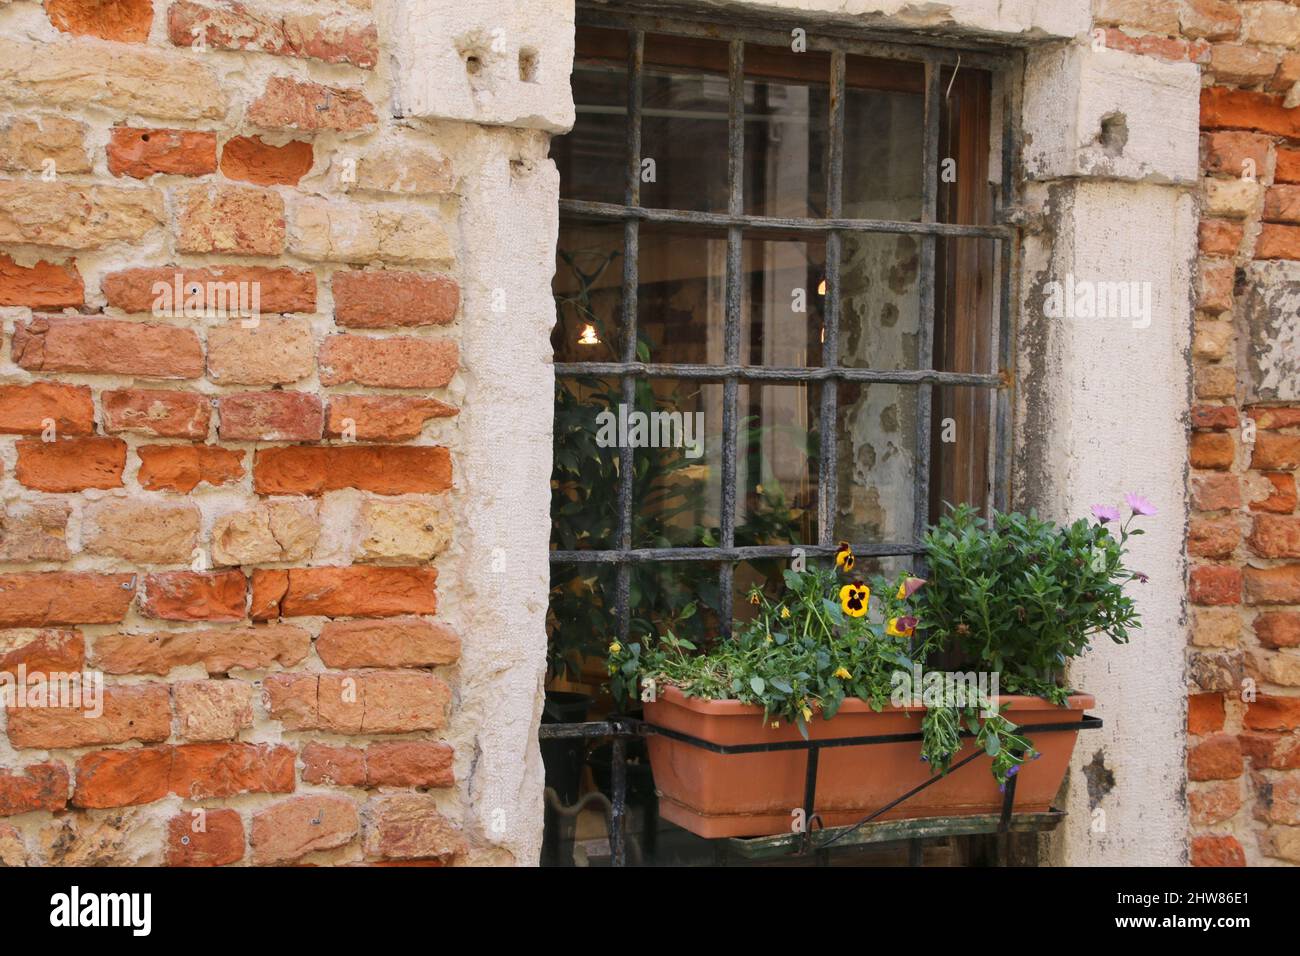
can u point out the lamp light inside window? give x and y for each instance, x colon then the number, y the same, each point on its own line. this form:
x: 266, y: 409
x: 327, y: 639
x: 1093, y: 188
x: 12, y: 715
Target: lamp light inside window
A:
x: 588, y: 336
x: 821, y: 287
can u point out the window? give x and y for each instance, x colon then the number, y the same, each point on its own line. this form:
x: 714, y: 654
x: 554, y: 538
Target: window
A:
x: 782, y: 316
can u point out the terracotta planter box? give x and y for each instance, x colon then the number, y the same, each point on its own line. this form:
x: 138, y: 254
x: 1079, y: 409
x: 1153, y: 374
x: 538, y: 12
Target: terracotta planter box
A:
x: 747, y: 795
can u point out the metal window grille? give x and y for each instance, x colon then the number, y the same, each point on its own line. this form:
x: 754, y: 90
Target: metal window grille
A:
x: 939, y: 63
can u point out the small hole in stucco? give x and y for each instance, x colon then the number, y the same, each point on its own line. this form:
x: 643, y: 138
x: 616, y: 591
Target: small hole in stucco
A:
x: 528, y: 65
x: 473, y: 65
x: 1114, y: 133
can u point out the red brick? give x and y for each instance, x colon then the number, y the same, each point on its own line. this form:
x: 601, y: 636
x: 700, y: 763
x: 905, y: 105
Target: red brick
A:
x: 205, y: 838
x: 1282, y: 204
x: 1218, y: 237
x: 1273, y: 713
x: 47, y: 598
x: 165, y: 414
x: 194, y: 596
x: 1280, y: 585
x: 138, y: 712
x: 1214, y: 417
x: 271, y: 416
x: 369, y: 702
x: 393, y: 642
x: 233, y: 219
x: 1276, y: 452
x: 122, y: 778
x: 73, y: 465
x: 397, y: 362
x: 385, y: 470
x: 291, y: 829
x: 1278, y: 629
x: 182, y: 467
x: 408, y: 826
x: 1278, y: 242
x: 1273, y: 751
x: 38, y: 786
x: 25, y: 409
x: 1214, y: 804
x: 48, y: 651
x: 1223, y: 108
x: 1210, y: 19
x: 1274, y: 416
x: 107, y: 347
x: 410, y: 763
x: 234, y: 27
x: 1212, y: 537
x: 1214, y: 285
x: 1216, y: 492
x: 1212, y: 450
x: 378, y: 299
x: 337, y: 766
x: 359, y: 591
x: 1163, y: 48
x: 269, y: 587
x: 1215, y: 585
x: 1230, y: 152
x: 1217, y: 851
x: 218, y: 650
x: 140, y: 153
x: 127, y: 21
x: 1276, y: 536
x: 278, y: 289
x: 43, y: 285
x: 1205, y: 714
x: 1288, y: 166
x: 248, y: 159
x: 383, y: 418
x: 1282, y: 496
x: 287, y: 103
x: 211, y: 771
x: 1217, y: 758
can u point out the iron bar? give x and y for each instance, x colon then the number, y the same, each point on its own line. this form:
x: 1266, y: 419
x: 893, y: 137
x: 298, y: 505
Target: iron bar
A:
x: 828, y: 415
x: 751, y: 552
x: 934, y: 101
x: 618, y: 807
x: 764, y: 373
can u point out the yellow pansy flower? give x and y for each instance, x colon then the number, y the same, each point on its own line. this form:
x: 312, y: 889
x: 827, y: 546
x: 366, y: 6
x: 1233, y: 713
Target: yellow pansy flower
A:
x: 901, y: 626
x: 807, y: 712
x: 844, y: 559
x: 843, y: 674
x: 854, y: 598
x: 615, y: 647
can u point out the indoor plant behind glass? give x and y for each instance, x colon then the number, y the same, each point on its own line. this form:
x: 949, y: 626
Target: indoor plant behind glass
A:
x: 1013, y: 593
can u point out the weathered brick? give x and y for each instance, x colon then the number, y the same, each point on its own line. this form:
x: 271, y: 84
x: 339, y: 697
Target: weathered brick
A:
x: 1278, y: 629
x: 1214, y: 417
x: 72, y: 465
x: 182, y: 467
x: 1274, y: 667
x: 122, y: 80
x: 1215, y: 585
x: 1266, y: 712
x: 1209, y: 19
x: 1212, y: 537
x: 331, y: 38
x: 107, y: 347
x: 72, y: 216
x: 145, y: 532
x: 409, y: 826
x: 1158, y: 47
x: 405, y: 169
x: 1225, y: 108
x: 1274, y: 416
x: 122, y: 778
x: 1214, y: 279
x: 397, y: 362
x: 272, y: 352
x: 1281, y: 494
x: 1212, y: 450
x: 1216, y: 758
x: 1288, y: 166
x: 406, y: 529
x: 218, y: 650
x: 26, y: 142
x: 383, y: 469
x: 1241, y: 63
x: 287, y: 103
x: 1214, y: 803
x: 1272, y: 751
x: 140, y: 153
x: 120, y: 838
x: 410, y: 763
x: 205, y: 837
x: 275, y: 289
x: 291, y: 829
x: 127, y: 21
x: 194, y: 596
x: 42, y: 651
x: 382, y: 418
x: 1218, y: 237
x: 328, y: 231
x: 230, y: 219
x: 114, y: 778
x: 1278, y: 242
x: 1216, y: 381
x: 34, y: 531
x: 277, y: 531
x: 382, y: 298
x: 138, y: 712
x: 393, y: 643
x: 158, y: 412
x: 42, y: 285
x: 1232, y: 198
x: 208, y: 710
x: 33, y: 409
x: 271, y: 416
x: 248, y: 159
x: 1279, y: 585
x: 359, y: 591
x: 369, y: 702
x: 1282, y: 204
x: 1205, y: 714
x: 333, y: 766
x: 1275, y: 536
x: 38, y: 786
x: 46, y: 598
x: 1216, y: 492
x: 1278, y: 452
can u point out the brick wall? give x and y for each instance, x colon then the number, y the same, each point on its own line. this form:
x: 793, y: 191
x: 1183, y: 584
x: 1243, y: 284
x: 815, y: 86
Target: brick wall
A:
x: 235, y: 519
x: 1243, y: 543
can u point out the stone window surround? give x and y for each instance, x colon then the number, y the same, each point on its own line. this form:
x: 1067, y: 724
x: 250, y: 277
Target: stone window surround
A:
x: 1101, y: 405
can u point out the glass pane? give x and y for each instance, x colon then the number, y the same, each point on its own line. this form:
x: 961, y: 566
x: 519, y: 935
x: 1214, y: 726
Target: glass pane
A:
x: 588, y: 290
x: 677, y: 436
x: 880, y: 300
x: 591, y: 158
x: 681, y: 295
x: 580, y: 622
x: 584, y: 470
x: 783, y: 293
x: 884, y: 113
x: 876, y: 455
x: 776, y: 467
x: 684, y: 107
x: 661, y: 595
x: 787, y: 122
